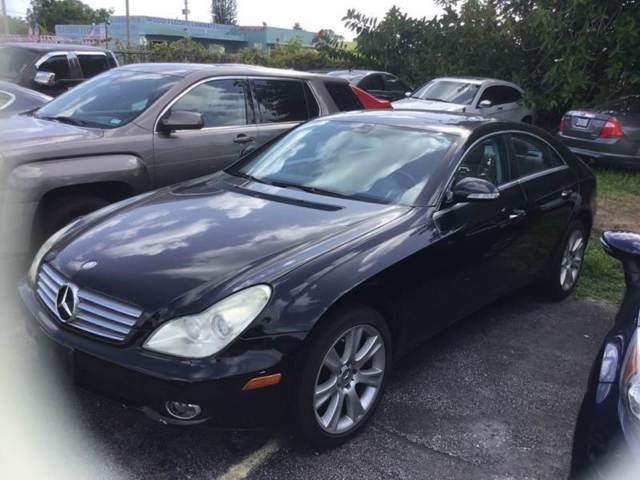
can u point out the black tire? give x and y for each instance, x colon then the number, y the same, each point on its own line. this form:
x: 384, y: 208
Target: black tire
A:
x: 551, y: 280
x: 62, y: 211
x: 342, y: 320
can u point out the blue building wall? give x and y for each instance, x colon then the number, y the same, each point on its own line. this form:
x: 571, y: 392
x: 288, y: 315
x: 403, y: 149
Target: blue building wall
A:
x: 144, y: 29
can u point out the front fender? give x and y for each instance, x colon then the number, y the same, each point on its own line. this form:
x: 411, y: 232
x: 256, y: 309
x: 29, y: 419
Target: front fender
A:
x: 29, y: 182
x: 305, y: 295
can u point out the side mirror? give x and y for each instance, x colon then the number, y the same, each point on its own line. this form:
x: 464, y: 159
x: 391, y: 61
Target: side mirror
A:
x: 472, y: 189
x: 407, y: 94
x: 485, y: 104
x: 180, y: 120
x: 46, y: 79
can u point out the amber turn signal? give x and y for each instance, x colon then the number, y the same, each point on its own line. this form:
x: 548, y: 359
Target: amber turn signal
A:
x: 260, y: 382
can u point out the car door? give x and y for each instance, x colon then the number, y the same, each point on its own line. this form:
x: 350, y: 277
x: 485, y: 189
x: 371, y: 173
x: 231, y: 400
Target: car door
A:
x: 281, y: 104
x: 480, y: 241
x: 58, y: 64
x: 505, y: 103
x: 229, y: 127
x: 396, y: 88
x: 374, y: 84
x: 552, y: 191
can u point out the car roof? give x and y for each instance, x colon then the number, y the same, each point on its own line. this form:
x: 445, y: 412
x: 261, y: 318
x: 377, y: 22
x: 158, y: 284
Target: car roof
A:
x: 354, y: 72
x: 457, y: 123
x: 206, y: 69
x: 53, y: 47
x: 478, y: 80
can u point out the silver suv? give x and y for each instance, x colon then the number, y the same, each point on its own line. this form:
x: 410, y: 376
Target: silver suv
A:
x: 140, y: 127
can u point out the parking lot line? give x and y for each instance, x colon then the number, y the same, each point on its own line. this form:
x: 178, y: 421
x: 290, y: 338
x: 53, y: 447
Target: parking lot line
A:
x: 242, y: 469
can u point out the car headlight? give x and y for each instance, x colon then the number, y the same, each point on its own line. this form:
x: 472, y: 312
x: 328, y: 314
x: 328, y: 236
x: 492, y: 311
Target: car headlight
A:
x: 44, y: 249
x: 208, y: 332
x: 630, y: 382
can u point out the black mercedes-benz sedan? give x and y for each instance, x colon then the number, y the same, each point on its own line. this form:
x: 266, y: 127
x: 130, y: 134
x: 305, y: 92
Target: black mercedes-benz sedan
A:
x: 285, y: 285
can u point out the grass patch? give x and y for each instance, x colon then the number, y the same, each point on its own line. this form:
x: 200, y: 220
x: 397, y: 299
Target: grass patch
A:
x: 602, y: 276
x: 612, y: 183
x: 619, y: 206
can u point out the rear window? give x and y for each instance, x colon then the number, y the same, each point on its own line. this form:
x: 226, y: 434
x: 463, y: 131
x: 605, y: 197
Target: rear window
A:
x: 343, y: 96
x: 93, y: 64
x: 14, y: 60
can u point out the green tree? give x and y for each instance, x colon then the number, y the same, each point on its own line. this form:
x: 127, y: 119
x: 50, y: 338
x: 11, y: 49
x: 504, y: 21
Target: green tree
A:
x: 563, y: 52
x: 224, y: 12
x: 48, y: 13
x: 17, y: 26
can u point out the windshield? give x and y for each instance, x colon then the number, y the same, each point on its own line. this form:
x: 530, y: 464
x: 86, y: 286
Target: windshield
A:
x: 14, y: 60
x: 448, y: 91
x: 109, y: 100
x: 378, y: 163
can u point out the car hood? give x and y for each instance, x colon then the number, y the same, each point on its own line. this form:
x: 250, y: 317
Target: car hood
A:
x: 179, y: 244
x: 417, y: 104
x: 23, y: 132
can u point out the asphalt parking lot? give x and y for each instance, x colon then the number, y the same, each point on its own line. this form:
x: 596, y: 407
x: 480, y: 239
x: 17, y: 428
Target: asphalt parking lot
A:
x: 493, y: 397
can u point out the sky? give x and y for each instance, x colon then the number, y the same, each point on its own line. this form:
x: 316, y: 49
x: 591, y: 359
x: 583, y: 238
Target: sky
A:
x: 277, y: 13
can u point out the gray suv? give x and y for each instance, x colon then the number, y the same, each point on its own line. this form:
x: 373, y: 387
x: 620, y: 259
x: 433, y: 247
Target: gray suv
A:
x: 140, y: 127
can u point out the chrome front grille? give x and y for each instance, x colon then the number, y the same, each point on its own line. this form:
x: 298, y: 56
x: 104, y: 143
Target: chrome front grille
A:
x: 94, y: 313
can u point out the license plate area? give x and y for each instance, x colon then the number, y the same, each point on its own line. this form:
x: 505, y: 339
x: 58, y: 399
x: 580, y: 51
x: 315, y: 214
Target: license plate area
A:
x: 581, y: 122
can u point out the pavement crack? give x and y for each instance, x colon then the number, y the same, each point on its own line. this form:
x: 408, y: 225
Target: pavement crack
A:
x: 421, y: 443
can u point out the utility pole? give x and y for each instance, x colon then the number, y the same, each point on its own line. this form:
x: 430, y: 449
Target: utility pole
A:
x: 5, y: 19
x: 128, y: 26
x: 185, y: 10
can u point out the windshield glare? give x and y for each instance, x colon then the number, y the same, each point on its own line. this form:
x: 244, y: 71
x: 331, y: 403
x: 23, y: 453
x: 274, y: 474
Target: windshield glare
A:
x: 14, y: 60
x: 378, y: 163
x: 109, y: 100
x: 448, y: 91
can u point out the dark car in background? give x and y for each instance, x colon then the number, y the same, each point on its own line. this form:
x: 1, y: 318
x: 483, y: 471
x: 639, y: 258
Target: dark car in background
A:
x: 143, y: 126
x: 381, y: 85
x: 16, y: 99
x: 52, y: 68
x: 608, y: 134
x: 285, y: 285
x: 607, y: 434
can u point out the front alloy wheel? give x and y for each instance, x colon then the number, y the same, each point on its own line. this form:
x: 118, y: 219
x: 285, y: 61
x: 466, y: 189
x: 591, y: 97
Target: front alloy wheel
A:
x: 349, y: 379
x: 343, y: 376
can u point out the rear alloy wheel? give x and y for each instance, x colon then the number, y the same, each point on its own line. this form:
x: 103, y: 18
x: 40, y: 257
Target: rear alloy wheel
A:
x: 344, y: 377
x: 572, y: 258
x: 562, y: 277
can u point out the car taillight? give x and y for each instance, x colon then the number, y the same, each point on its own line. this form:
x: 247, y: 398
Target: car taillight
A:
x: 611, y: 128
x: 561, y: 128
x: 369, y: 101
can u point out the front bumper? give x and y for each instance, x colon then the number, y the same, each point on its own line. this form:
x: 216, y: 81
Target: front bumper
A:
x: 146, y: 380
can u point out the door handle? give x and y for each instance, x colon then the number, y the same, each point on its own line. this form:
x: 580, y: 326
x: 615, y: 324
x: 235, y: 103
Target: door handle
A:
x: 242, y: 138
x: 516, y: 215
x: 566, y: 194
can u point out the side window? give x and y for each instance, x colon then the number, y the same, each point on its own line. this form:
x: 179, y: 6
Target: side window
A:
x: 92, y: 65
x: 281, y: 100
x: 343, y: 96
x: 394, y: 84
x: 59, y: 65
x: 532, y: 155
x: 221, y: 102
x: 372, y: 82
x: 312, y: 104
x: 487, y: 160
x: 511, y: 95
x: 5, y: 99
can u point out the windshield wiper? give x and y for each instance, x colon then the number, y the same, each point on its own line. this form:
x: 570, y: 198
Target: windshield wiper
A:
x: 64, y: 119
x: 434, y: 99
x: 316, y: 190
